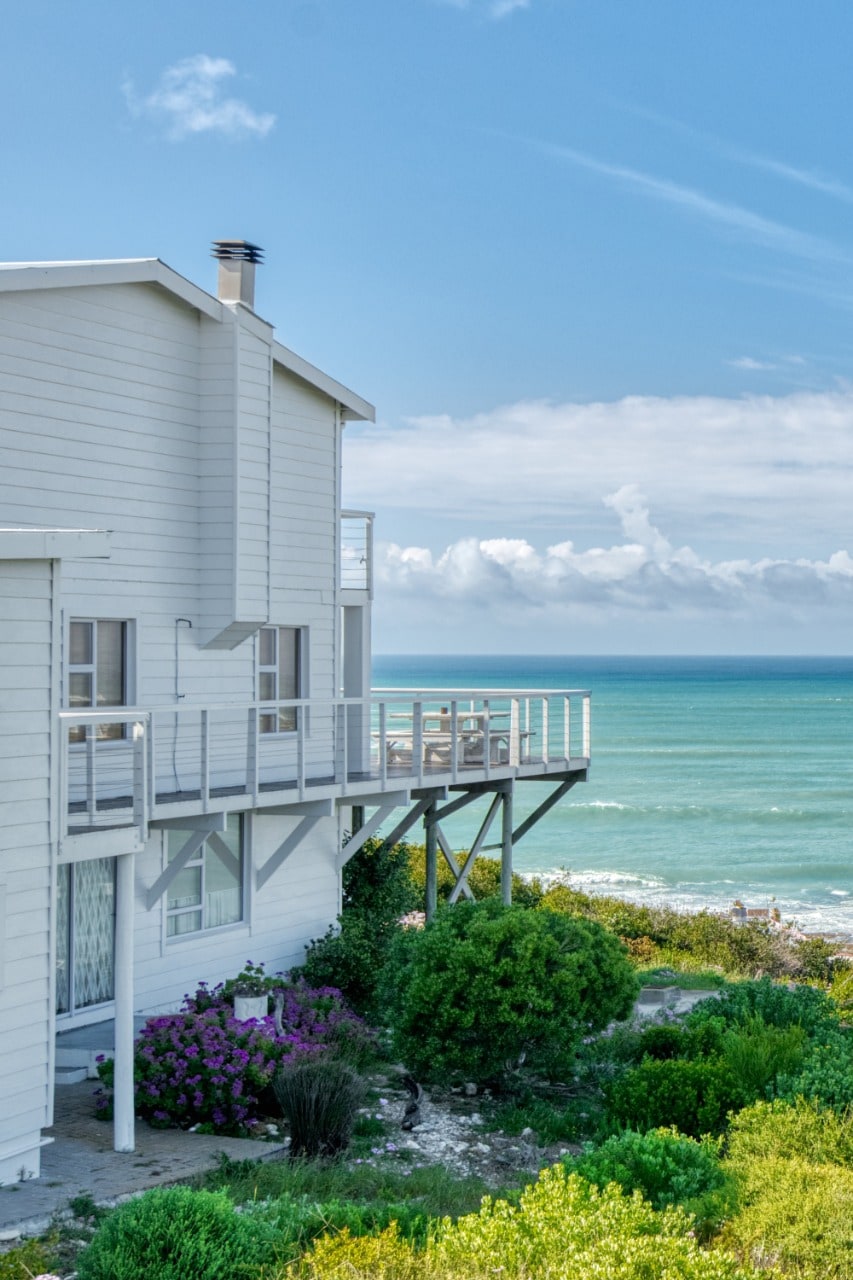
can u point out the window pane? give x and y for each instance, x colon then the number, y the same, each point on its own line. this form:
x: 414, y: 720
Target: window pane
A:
x: 80, y: 644
x: 266, y: 647
x: 176, y: 841
x: 187, y: 922
x: 79, y: 689
x: 185, y: 889
x: 287, y: 720
x: 288, y: 662
x: 266, y: 724
x: 266, y: 686
x: 223, y: 897
x: 111, y: 675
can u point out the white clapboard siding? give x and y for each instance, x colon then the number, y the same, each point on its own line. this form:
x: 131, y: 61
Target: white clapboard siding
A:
x: 24, y: 864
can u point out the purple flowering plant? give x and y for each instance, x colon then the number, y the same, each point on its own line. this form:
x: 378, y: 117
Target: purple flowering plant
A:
x: 202, y: 1067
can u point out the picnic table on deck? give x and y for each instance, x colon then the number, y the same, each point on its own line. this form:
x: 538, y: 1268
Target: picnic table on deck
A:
x: 472, y: 728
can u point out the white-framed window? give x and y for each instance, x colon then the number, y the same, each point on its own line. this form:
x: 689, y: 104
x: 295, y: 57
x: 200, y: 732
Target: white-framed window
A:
x: 98, y: 670
x: 280, y: 675
x: 208, y: 891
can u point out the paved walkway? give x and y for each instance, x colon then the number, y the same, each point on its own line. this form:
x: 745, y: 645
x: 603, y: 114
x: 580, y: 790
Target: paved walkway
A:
x: 81, y: 1161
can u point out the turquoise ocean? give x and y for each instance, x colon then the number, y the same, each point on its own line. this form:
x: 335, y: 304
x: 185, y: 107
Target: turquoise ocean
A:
x: 711, y: 779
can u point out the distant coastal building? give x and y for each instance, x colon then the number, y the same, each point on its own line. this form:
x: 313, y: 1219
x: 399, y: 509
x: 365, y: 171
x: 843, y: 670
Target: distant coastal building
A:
x: 187, y: 728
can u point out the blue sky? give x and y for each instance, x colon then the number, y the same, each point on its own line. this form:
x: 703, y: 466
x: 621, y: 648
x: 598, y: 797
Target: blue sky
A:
x: 593, y: 262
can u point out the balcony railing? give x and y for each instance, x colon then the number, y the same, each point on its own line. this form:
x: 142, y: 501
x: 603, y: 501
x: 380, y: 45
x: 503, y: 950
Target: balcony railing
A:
x: 357, y: 551
x: 185, y: 759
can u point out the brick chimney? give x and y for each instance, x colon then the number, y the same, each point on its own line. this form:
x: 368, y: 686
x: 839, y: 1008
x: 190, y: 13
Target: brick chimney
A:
x: 237, y: 259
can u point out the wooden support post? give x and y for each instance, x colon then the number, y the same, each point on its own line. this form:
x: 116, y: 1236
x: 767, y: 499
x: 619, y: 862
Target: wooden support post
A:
x: 431, y: 896
x: 506, y: 847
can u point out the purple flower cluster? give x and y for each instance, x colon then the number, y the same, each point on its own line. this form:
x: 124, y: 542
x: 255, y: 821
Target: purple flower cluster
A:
x: 202, y: 1066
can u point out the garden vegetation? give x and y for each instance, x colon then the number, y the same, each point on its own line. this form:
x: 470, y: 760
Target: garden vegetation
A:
x: 712, y: 1146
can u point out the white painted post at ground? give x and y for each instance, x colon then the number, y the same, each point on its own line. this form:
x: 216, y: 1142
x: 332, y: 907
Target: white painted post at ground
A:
x: 123, y: 1096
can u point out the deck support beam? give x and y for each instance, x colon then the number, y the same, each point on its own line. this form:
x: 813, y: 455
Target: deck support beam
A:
x: 506, y: 847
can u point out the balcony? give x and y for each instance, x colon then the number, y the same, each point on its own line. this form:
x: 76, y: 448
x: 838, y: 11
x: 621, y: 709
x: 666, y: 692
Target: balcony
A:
x: 356, y: 567
x: 122, y: 769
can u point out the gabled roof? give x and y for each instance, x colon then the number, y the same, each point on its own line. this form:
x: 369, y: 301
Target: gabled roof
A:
x: 22, y: 276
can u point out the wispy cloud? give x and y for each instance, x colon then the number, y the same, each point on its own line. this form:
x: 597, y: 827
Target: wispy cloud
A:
x: 744, y: 222
x: 751, y: 364
x: 811, y: 178
x: 496, y: 9
x: 190, y: 99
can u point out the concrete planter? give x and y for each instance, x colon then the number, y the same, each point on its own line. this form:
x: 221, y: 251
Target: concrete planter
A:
x: 248, y: 1007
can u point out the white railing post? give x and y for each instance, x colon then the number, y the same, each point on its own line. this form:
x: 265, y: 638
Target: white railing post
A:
x: 140, y: 779
x: 567, y: 726
x: 152, y: 766
x: 64, y: 739
x: 252, y: 761
x: 487, y: 739
x: 383, y: 742
x: 205, y: 758
x: 91, y: 778
x: 514, y: 732
x: 586, y: 725
x: 300, y: 752
x: 454, y: 739
x: 546, y: 730
x: 418, y: 740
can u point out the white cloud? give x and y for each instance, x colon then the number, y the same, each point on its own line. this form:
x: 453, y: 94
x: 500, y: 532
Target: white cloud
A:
x: 493, y: 8
x: 770, y: 473
x: 642, y: 574
x: 189, y: 99
x: 748, y: 362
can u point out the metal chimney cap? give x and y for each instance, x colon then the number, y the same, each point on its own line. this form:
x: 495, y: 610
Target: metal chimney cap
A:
x: 237, y: 251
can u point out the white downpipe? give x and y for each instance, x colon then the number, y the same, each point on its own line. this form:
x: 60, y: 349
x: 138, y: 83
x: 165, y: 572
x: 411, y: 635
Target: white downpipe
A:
x: 123, y: 1098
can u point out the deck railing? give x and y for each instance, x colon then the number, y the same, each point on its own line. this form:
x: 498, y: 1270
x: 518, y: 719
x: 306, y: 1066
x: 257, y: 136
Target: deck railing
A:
x: 122, y: 768
x: 357, y: 551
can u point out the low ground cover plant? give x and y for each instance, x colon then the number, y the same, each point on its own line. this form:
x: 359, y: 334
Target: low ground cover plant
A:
x: 561, y: 1226
x: 485, y: 988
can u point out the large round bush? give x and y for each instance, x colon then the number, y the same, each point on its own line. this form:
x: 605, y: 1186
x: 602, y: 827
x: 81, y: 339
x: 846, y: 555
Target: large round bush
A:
x: 174, y: 1233
x: 484, y: 988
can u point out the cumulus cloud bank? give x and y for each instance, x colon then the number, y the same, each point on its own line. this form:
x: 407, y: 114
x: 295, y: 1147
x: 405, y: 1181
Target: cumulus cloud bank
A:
x: 190, y: 99
x: 773, y: 474
x: 642, y: 573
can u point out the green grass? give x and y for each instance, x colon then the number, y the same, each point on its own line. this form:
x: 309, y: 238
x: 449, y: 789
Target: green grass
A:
x: 696, y: 980
x: 437, y: 1192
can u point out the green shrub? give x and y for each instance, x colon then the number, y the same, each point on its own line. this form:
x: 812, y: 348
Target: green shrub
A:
x: 320, y: 1098
x: 174, y: 1233
x: 778, y: 1005
x: 694, y: 1096
x: 826, y: 1074
x: 664, y: 1165
x: 484, y: 988
x: 757, y: 1054
x: 797, y: 1216
x: 343, y: 1256
x: 24, y: 1261
x: 801, y: 1128
x: 563, y: 1226
x: 377, y: 890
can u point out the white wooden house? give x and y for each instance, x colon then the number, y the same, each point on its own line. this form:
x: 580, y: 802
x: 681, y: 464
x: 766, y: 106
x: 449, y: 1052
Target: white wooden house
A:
x: 187, y: 727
